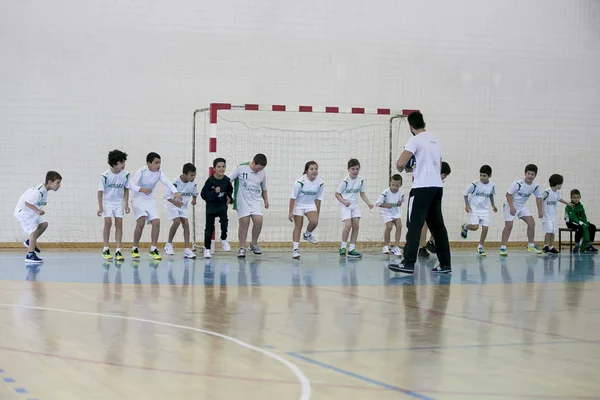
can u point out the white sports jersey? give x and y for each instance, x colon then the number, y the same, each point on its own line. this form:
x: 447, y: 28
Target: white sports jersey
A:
x: 428, y: 155
x: 549, y: 200
x: 144, y: 178
x: 521, y: 191
x: 306, y: 192
x: 350, y: 188
x: 480, y: 194
x: 113, y: 186
x: 36, y: 196
x: 185, y: 189
x: 248, y: 185
x: 389, y: 197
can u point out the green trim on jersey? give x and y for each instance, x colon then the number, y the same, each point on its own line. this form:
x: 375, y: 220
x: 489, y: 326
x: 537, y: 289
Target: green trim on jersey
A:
x: 546, y: 194
x: 301, y: 184
x: 236, y: 186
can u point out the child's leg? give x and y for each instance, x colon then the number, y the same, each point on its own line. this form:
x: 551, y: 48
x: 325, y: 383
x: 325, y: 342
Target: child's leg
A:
x: 155, y: 232
x: 387, y: 232
x: 592, y: 232
x: 508, y: 225
x: 484, y: 232
x: 398, y: 224
x: 118, y: 232
x: 209, y: 229
x: 298, y: 221
x: 106, y: 231
x: 244, y: 223
x: 33, y: 237
x: 257, y: 221
x: 139, y: 229
x: 185, y: 224
x: 224, y: 224
x: 548, y: 240
x: 473, y: 227
x: 355, y: 223
x: 346, y: 231
x: 423, y: 239
x: 313, y: 221
x: 174, y: 226
x: 530, y: 228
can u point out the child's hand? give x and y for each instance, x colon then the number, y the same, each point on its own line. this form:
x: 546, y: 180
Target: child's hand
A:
x: 228, y: 201
x: 468, y: 209
x: 41, y: 212
x: 540, y: 214
x: 145, y: 190
x: 127, y: 210
x: 99, y: 213
x: 291, y: 217
x: 571, y: 204
x: 513, y: 211
x: 494, y: 208
x: 266, y: 204
x: 218, y: 189
x: 399, y: 204
x: 370, y: 205
x: 193, y: 202
x: 346, y: 203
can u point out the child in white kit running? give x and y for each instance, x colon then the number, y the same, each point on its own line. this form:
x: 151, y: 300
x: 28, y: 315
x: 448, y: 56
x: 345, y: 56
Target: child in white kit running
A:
x: 305, y: 199
x: 178, y: 211
x: 389, y: 203
x: 144, y: 206
x: 29, y: 211
x: 347, y: 194
x: 113, y: 201
x: 478, y: 197
x: 550, y: 198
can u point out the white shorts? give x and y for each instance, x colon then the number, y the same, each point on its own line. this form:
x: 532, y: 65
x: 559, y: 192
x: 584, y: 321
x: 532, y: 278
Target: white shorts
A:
x: 245, y: 210
x: 388, y: 217
x: 521, y: 212
x: 302, y: 209
x: 479, y: 218
x: 115, y: 210
x: 145, y: 208
x: 29, y: 225
x: 548, y: 226
x: 176, y: 212
x: 349, y: 212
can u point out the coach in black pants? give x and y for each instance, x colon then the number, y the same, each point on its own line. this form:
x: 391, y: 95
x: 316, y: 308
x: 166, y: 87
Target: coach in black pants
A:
x: 425, y: 201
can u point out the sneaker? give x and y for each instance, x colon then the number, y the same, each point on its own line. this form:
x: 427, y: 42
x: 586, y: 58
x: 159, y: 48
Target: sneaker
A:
x: 106, y: 255
x: 554, y: 251
x: 464, y: 231
x: 534, y: 249
x: 575, y: 249
x: 26, y: 244
x: 296, y: 253
x: 442, y: 269
x: 430, y: 246
x: 481, y: 252
x: 225, y: 245
x: 169, y: 249
x: 135, y: 253
x: 546, y: 249
x: 354, y: 254
x: 309, y: 238
x: 208, y: 255
x: 385, y: 250
x: 255, y: 249
x: 396, y: 251
x: 423, y: 252
x: 33, y: 258
x: 401, y: 267
x: 187, y: 253
x: 119, y: 256
x: 155, y: 254
x: 342, y: 252
x: 241, y: 252
x: 591, y: 249
x: 503, y: 253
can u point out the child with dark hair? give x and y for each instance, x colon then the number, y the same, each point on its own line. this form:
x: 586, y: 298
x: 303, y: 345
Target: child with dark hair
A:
x: 178, y: 210
x: 113, y: 200
x: 389, y: 203
x: 585, y: 231
x: 218, y: 194
x: 550, y: 197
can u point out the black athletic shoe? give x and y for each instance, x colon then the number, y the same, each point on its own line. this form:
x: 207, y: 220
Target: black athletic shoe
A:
x: 423, y: 252
x: 402, y: 267
x: 441, y: 270
x: 430, y: 246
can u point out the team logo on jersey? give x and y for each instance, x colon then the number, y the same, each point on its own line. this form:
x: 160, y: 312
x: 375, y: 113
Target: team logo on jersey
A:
x: 115, y: 185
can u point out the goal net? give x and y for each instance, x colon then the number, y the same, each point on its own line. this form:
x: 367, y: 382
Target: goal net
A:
x: 289, y: 138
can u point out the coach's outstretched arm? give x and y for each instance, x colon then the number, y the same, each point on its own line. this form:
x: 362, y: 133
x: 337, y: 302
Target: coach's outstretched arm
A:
x: 403, y: 160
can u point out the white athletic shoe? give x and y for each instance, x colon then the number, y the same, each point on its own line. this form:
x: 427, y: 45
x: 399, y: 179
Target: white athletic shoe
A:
x: 207, y: 253
x: 296, y: 253
x: 169, y: 249
x: 385, y: 250
x: 225, y: 245
x: 187, y: 253
x: 396, y: 250
x: 310, y: 238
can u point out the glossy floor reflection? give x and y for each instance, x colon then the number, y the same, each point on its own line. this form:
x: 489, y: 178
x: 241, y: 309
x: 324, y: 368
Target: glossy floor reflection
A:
x: 523, y: 327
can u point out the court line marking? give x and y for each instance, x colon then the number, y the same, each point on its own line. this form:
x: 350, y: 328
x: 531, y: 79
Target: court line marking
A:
x: 13, y: 386
x: 304, y: 382
x: 360, y: 377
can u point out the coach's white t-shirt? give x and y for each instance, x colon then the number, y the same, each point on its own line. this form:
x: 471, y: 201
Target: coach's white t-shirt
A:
x: 428, y: 154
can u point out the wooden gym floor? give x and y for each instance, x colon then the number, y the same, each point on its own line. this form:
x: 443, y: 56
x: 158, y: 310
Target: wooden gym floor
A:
x: 76, y: 327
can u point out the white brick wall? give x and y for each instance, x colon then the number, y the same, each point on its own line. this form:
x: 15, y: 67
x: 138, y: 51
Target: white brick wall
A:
x: 505, y: 83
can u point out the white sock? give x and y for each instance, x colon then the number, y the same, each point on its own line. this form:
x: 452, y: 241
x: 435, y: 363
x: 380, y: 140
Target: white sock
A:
x: 296, y: 245
x: 105, y: 248
x: 344, y: 245
x: 551, y: 247
x: 187, y: 249
x: 531, y: 244
x: 152, y: 248
x: 352, y: 246
x: 308, y: 233
x: 480, y: 246
x: 502, y: 247
x: 134, y: 248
